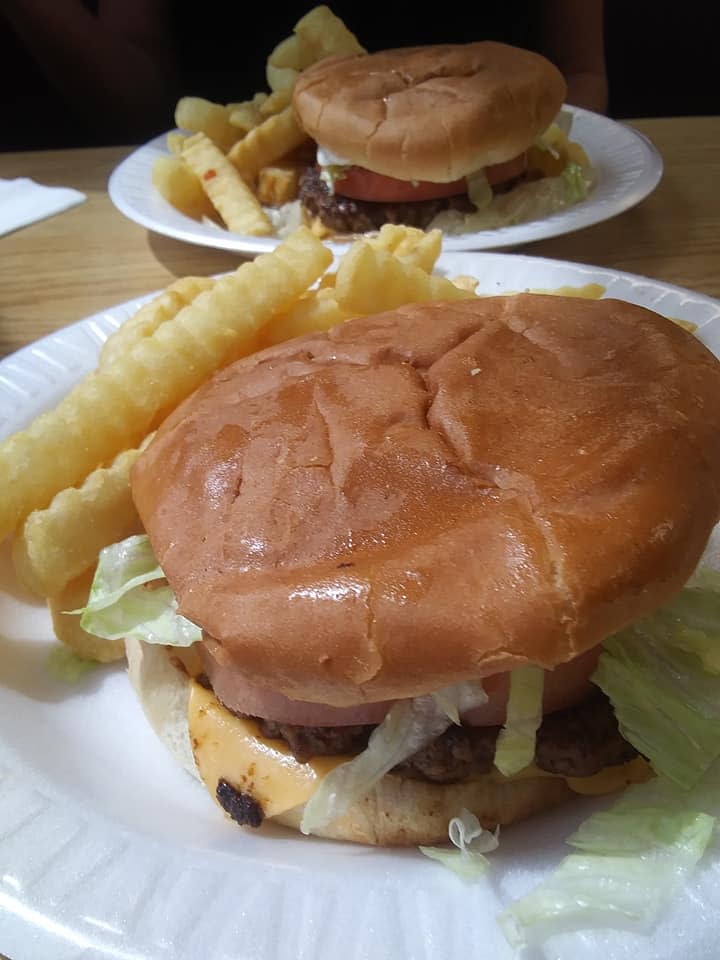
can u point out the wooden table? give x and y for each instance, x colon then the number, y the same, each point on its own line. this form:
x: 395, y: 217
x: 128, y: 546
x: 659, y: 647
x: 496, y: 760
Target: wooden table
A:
x: 91, y: 257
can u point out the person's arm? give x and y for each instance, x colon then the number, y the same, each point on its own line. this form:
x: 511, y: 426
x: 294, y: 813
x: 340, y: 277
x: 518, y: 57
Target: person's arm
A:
x: 570, y: 33
x: 117, y: 64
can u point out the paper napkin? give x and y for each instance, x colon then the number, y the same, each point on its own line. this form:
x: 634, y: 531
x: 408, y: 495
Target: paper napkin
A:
x: 23, y: 202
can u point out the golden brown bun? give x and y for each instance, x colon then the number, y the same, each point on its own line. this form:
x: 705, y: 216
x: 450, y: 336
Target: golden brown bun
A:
x: 429, y: 113
x: 445, y: 491
x: 399, y: 812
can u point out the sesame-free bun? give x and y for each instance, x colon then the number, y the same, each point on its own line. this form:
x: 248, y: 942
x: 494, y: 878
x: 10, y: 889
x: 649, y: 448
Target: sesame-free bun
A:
x: 441, y: 492
x: 429, y: 113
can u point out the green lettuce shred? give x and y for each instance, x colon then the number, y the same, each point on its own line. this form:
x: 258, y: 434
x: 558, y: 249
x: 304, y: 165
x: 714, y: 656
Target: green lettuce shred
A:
x: 471, y: 842
x: 633, y: 858
x: 121, y: 604
x: 661, y: 676
x: 66, y: 665
x: 408, y: 726
x: 515, y: 748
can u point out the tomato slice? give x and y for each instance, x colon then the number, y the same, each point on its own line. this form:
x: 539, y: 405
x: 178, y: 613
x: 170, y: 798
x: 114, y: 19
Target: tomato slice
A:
x: 361, y: 184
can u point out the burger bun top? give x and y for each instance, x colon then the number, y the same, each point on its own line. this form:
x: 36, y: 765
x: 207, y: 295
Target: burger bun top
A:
x: 432, y: 113
x: 437, y: 493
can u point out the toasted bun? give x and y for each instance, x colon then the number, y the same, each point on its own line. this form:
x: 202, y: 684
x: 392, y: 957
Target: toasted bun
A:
x: 429, y: 113
x: 441, y: 492
x: 397, y: 812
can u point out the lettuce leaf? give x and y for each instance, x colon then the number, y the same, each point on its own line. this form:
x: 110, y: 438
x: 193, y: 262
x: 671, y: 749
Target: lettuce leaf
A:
x: 408, y: 726
x: 661, y: 676
x: 121, y: 604
x: 633, y: 857
x: 471, y: 841
x: 515, y: 748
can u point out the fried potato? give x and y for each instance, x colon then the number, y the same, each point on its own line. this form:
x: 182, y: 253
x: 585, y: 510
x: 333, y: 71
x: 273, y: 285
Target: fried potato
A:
x: 113, y: 408
x: 465, y: 282
x: 276, y: 102
x: 326, y: 33
x: 67, y: 625
x: 148, y: 318
x: 247, y: 114
x: 370, y: 279
x: 409, y: 244
x: 57, y: 544
x: 228, y: 192
x: 180, y: 187
x: 263, y: 145
x: 317, y: 311
x: 278, y: 184
x: 197, y: 115
x: 174, y: 142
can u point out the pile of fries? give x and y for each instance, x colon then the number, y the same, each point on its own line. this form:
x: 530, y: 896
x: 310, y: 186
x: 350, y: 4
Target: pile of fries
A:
x: 66, y: 491
x: 240, y: 157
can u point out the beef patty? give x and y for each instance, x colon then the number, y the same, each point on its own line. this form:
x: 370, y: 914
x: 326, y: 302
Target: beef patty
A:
x: 344, y: 215
x: 577, y: 742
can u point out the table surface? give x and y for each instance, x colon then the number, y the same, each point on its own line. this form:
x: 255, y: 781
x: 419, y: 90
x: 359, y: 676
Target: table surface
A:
x: 91, y: 257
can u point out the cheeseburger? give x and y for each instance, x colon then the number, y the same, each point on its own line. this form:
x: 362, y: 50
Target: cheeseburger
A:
x: 383, y: 561
x: 406, y: 135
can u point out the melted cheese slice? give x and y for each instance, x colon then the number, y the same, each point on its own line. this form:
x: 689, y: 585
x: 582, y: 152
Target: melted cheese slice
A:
x: 231, y: 748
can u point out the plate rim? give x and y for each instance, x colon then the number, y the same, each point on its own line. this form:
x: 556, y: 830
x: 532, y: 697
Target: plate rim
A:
x: 13, y: 767
x: 643, y: 184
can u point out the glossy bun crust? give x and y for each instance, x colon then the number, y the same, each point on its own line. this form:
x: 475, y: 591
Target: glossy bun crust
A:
x: 444, y: 491
x: 429, y: 113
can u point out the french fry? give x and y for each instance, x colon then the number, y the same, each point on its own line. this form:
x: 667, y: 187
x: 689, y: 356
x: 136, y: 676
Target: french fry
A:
x: 317, y: 311
x: 247, y: 114
x: 116, y: 406
x: 67, y: 625
x: 228, y: 192
x: 174, y: 142
x: 409, y: 244
x: 148, y: 318
x: 266, y: 143
x: 370, y: 280
x: 181, y: 188
x: 278, y: 184
x: 197, y: 115
x: 276, y: 102
x: 57, y: 544
x: 465, y: 282
x: 326, y: 33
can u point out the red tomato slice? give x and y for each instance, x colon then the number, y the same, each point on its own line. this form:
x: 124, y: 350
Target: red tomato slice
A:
x: 361, y: 184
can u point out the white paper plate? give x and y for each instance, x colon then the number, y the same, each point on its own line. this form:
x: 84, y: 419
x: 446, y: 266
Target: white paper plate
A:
x: 107, y: 850
x: 628, y: 168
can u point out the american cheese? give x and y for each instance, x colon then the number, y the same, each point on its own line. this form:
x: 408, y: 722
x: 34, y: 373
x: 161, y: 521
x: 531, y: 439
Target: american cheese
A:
x: 232, y: 748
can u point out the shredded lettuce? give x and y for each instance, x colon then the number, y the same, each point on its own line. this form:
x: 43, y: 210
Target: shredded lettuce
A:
x: 576, y: 185
x: 660, y: 675
x: 471, y: 841
x: 408, y: 726
x: 330, y: 173
x: 633, y: 857
x: 515, y: 748
x: 455, y: 700
x: 66, y: 665
x: 121, y: 604
x: 479, y: 190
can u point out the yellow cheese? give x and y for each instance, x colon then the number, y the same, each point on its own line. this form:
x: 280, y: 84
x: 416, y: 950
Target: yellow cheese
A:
x: 612, y: 778
x: 231, y: 748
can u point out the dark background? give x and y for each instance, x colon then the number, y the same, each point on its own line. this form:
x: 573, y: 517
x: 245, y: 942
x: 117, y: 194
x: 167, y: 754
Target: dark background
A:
x: 661, y: 58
